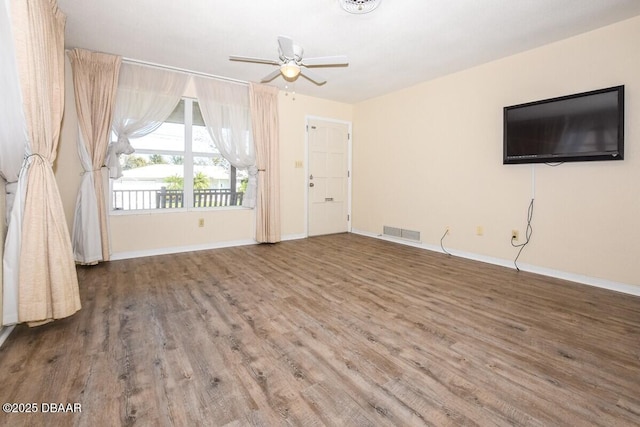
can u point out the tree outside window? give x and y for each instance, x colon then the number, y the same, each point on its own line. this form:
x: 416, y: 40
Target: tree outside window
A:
x: 154, y: 175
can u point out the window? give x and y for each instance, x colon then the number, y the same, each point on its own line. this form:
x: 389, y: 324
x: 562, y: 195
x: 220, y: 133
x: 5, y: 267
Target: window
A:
x: 153, y: 176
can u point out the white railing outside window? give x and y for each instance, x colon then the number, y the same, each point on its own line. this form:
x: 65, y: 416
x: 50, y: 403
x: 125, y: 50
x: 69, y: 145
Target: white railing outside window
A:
x: 153, y: 177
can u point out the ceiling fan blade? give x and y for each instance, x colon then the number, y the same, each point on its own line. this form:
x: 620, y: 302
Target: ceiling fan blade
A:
x: 313, y: 76
x: 270, y: 76
x: 286, y: 46
x: 325, y: 60
x: 250, y: 59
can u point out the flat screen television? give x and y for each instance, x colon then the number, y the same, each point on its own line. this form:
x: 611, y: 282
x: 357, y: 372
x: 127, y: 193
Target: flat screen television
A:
x: 580, y: 127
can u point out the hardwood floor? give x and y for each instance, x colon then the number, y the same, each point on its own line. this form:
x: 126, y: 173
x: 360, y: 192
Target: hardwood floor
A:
x: 331, y: 330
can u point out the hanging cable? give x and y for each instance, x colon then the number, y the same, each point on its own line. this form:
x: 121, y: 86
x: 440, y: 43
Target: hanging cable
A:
x: 528, y: 233
x: 442, y: 244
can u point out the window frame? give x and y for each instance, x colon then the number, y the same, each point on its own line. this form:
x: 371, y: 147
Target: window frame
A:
x: 188, y: 156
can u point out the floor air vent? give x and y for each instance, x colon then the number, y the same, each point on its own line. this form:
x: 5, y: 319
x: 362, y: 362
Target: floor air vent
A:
x: 401, y: 233
x: 392, y: 231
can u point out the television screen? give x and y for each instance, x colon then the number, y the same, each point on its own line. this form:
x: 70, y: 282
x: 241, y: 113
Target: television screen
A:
x: 580, y: 127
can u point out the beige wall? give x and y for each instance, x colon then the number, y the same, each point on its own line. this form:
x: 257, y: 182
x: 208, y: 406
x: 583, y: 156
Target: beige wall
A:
x: 147, y: 234
x: 293, y: 115
x: 430, y: 156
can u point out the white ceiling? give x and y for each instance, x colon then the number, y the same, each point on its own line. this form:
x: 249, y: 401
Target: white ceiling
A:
x: 401, y: 43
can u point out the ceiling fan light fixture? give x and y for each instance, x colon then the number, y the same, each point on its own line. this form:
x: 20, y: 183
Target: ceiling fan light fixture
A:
x: 290, y: 70
x: 359, y: 6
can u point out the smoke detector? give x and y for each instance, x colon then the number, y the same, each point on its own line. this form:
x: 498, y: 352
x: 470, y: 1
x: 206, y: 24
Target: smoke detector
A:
x: 359, y: 6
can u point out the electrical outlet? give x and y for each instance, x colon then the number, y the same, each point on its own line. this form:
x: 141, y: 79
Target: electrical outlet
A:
x: 479, y: 230
x: 201, y: 222
x: 447, y: 229
x: 515, y: 235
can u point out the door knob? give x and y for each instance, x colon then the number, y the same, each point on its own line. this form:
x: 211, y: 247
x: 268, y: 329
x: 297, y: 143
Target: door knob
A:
x: 311, y: 184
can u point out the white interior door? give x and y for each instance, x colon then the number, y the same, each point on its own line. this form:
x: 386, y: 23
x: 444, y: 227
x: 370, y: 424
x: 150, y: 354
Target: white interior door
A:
x: 328, y: 180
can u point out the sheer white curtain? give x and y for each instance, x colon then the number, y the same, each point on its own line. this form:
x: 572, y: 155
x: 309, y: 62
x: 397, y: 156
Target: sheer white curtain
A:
x: 13, y: 142
x: 13, y: 132
x: 146, y: 97
x: 226, y: 113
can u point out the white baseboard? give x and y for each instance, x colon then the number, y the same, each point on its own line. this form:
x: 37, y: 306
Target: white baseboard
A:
x: 4, y: 333
x: 179, y: 249
x: 293, y: 237
x: 585, y: 280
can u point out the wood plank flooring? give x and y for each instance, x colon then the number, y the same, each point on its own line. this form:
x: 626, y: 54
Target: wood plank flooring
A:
x: 338, y: 330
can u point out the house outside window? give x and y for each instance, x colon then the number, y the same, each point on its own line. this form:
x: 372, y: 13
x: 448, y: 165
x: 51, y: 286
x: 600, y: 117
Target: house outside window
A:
x: 153, y: 177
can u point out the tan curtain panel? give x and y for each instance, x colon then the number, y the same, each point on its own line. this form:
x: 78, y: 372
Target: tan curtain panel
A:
x: 95, y: 81
x: 48, y: 284
x: 264, y: 120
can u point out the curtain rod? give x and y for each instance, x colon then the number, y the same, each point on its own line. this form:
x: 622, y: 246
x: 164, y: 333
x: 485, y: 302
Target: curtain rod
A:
x: 178, y: 70
x: 182, y: 70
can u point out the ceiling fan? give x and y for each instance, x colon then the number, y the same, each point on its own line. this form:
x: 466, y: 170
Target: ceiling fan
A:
x: 291, y: 62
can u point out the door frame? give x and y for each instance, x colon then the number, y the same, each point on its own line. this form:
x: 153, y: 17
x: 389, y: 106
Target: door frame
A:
x: 308, y: 118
